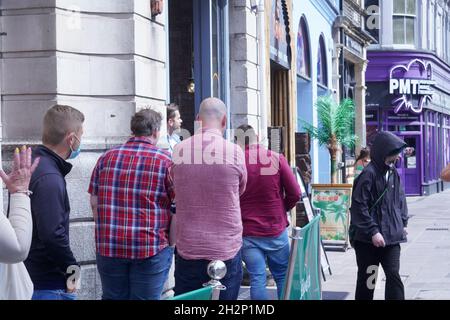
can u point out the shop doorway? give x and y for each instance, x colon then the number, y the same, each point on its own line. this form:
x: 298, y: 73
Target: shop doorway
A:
x: 409, y: 166
x: 181, y: 64
x: 280, y: 112
x: 199, y: 55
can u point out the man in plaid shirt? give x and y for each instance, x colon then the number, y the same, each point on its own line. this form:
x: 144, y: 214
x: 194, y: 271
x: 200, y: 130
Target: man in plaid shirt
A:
x: 131, y: 195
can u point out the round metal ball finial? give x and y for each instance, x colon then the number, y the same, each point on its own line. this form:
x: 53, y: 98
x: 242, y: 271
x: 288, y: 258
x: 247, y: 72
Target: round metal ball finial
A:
x: 217, y: 270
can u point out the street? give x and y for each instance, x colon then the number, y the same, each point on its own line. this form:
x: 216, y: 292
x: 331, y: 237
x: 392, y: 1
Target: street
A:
x: 425, y: 259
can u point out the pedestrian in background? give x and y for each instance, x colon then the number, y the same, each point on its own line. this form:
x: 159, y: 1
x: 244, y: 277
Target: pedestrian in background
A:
x: 209, y: 176
x: 379, y: 217
x: 362, y: 161
x: 445, y: 174
x: 174, y: 123
x: 269, y: 195
x: 131, y: 194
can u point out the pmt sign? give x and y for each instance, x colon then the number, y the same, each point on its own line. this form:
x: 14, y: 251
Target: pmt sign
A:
x: 411, y: 86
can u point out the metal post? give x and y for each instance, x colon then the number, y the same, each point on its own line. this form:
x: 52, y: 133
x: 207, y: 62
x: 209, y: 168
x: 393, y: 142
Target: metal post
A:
x: 319, y: 243
x: 292, y: 257
x: 216, y: 270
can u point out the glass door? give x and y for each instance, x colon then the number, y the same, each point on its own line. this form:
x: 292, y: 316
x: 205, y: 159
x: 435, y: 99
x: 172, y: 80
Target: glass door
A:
x: 409, y: 166
x: 211, y: 50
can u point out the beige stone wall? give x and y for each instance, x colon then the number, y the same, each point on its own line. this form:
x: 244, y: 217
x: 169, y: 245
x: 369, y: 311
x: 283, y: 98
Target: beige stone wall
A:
x: 106, y: 58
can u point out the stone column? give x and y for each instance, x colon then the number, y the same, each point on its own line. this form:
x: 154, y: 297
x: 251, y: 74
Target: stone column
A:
x: 105, y: 58
x: 244, y: 67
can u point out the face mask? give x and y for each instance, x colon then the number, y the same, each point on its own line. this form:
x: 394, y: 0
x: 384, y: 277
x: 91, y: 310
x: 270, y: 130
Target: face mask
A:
x: 75, y: 153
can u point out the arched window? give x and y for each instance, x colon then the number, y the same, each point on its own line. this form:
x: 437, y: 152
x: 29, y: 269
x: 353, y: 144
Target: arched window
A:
x: 322, y: 72
x: 303, y: 50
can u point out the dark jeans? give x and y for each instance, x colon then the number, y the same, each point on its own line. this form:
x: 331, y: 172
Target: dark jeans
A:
x: 133, y: 279
x: 368, y: 258
x: 190, y: 275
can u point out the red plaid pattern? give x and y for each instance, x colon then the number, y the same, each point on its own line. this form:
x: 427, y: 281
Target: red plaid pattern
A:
x: 134, y: 196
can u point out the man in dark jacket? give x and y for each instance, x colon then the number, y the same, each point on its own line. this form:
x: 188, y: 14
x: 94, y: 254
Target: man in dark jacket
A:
x: 379, y: 217
x: 51, y: 263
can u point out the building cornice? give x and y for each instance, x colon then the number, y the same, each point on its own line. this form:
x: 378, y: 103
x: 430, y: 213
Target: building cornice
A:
x: 420, y: 53
x: 327, y: 9
x: 357, y: 32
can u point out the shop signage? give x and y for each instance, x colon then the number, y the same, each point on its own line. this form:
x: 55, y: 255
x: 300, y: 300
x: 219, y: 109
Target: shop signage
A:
x: 353, y: 45
x: 303, y: 276
x: 334, y: 203
x: 412, y: 86
x: 279, y: 46
x: 156, y: 7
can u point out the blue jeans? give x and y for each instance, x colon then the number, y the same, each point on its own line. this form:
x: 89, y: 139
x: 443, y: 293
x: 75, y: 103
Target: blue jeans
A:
x: 53, y: 295
x: 255, y: 251
x: 134, y: 279
x: 190, y: 275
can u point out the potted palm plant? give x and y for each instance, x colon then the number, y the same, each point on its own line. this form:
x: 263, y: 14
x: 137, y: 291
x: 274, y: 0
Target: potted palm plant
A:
x: 335, y: 122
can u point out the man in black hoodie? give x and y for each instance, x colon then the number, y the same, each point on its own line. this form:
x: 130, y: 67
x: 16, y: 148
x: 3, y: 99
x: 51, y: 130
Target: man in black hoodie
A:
x: 379, y: 216
x: 51, y: 263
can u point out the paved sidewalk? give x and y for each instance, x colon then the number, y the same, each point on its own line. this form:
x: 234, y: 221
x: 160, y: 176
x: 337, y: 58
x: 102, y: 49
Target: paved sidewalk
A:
x: 425, y: 260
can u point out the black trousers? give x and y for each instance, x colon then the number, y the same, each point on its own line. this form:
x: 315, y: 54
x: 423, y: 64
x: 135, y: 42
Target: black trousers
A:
x: 368, y: 258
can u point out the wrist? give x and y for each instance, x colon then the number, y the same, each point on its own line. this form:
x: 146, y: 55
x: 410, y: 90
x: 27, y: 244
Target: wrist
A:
x: 19, y: 191
x: 374, y: 232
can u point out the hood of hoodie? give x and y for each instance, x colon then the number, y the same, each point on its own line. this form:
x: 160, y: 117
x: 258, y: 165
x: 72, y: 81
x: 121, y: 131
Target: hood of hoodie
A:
x: 384, y: 145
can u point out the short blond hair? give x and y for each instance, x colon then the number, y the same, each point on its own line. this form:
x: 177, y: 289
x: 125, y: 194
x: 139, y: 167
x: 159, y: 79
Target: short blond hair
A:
x: 60, y: 120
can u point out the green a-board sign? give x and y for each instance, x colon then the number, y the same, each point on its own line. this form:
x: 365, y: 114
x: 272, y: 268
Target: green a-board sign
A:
x: 334, y: 202
x: 303, y: 280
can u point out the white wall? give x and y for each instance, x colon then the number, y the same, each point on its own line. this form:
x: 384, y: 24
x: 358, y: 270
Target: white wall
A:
x: 318, y: 25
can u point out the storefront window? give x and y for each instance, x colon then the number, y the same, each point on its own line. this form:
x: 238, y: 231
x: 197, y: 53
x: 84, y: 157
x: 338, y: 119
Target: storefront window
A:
x: 432, y: 147
x: 303, y: 50
x: 410, y: 160
x: 446, y: 142
x: 371, y: 132
x: 371, y: 116
x: 322, y: 77
x: 404, y: 21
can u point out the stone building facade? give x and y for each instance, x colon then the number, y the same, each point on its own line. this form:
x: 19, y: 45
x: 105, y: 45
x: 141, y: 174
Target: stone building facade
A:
x: 108, y: 59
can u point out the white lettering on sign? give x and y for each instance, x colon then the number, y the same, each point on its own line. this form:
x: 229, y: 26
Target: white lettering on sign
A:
x: 411, y: 86
x: 410, y: 89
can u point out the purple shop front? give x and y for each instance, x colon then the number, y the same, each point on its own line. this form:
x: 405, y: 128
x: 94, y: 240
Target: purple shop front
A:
x: 408, y: 94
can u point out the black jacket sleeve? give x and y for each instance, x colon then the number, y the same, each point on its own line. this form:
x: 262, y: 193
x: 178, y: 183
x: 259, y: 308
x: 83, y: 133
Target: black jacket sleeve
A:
x: 51, y: 218
x: 361, y: 199
x: 403, y: 205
